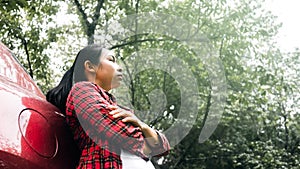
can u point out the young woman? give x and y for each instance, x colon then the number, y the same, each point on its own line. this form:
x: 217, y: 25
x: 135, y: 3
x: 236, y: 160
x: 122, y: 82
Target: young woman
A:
x: 108, y: 135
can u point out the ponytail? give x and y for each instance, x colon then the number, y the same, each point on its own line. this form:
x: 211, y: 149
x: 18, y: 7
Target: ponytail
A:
x: 58, y: 95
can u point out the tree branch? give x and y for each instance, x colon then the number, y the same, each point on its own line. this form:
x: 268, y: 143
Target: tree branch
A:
x: 140, y: 41
x: 286, y: 129
x: 27, y: 56
x: 24, y: 42
x: 97, y: 12
x: 85, y: 21
x: 131, y: 87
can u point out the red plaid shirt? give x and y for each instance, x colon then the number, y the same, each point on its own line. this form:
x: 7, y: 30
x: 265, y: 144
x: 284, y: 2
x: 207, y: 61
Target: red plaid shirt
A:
x: 99, y: 136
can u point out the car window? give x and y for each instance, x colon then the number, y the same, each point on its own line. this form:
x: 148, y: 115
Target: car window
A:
x: 11, y: 69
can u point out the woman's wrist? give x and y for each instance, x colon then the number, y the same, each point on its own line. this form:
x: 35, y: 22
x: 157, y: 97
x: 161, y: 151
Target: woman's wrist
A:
x: 143, y: 126
x: 150, y: 134
x: 147, y: 150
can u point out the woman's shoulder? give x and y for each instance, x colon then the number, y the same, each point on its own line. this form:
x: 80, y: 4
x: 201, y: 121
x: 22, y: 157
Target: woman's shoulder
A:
x: 86, y: 85
x: 83, y: 83
x: 83, y: 86
x: 86, y: 88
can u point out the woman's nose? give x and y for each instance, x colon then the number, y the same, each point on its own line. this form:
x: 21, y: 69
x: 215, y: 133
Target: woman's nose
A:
x: 119, y: 68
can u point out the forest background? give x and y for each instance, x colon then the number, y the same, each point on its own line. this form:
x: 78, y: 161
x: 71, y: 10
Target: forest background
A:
x: 257, y: 125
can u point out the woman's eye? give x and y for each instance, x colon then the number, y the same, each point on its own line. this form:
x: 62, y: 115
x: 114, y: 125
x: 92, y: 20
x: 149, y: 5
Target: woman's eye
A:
x: 112, y: 59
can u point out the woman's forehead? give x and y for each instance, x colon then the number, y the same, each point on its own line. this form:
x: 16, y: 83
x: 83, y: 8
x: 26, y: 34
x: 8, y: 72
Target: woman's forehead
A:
x: 107, y: 53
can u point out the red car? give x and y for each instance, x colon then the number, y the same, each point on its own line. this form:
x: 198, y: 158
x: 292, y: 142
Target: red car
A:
x: 33, y: 133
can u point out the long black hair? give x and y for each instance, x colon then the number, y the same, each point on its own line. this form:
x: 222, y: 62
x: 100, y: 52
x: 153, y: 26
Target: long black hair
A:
x: 59, y: 94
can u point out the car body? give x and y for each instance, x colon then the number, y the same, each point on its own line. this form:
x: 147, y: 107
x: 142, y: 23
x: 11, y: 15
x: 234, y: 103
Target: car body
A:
x: 33, y: 132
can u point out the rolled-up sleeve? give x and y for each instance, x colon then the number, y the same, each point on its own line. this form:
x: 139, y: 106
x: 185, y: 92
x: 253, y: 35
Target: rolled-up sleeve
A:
x: 163, y: 148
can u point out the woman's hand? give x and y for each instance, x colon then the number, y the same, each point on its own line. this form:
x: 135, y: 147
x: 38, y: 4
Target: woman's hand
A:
x: 127, y: 116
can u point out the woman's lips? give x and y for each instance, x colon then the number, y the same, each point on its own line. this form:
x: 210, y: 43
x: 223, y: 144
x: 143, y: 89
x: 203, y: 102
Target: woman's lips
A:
x: 120, y: 76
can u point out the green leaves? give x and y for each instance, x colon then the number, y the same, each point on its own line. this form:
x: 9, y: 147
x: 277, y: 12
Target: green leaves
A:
x: 260, y: 124
x: 15, y: 5
x: 24, y: 27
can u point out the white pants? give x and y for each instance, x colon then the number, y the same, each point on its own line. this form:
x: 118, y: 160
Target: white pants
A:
x: 131, y: 161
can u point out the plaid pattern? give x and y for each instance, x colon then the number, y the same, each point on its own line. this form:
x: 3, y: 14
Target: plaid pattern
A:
x: 99, y: 136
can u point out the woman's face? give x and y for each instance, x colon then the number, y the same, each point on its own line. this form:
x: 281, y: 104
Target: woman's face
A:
x: 109, y: 73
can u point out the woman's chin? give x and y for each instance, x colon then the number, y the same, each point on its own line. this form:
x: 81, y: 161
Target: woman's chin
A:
x: 115, y: 85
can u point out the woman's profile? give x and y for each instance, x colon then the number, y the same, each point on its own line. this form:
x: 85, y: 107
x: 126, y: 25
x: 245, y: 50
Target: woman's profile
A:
x: 108, y: 135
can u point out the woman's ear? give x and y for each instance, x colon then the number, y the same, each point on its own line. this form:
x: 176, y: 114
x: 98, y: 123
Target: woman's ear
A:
x: 88, y: 66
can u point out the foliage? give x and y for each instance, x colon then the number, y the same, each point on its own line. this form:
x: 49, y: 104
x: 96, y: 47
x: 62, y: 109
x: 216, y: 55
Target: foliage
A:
x: 260, y: 124
x: 24, y: 29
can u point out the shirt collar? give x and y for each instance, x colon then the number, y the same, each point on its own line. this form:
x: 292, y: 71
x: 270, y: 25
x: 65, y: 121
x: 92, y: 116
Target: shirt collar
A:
x: 105, y: 94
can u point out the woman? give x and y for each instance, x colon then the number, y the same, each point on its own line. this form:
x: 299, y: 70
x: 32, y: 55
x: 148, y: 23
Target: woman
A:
x: 101, y: 128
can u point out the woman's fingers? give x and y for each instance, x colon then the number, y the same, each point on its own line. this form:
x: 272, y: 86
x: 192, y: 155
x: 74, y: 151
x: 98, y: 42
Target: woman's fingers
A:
x: 127, y: 119
x: 120, y: 113
x: 116, y: 111
x: 112, y: 107
x: 133, y: 120
x: 127, y: 116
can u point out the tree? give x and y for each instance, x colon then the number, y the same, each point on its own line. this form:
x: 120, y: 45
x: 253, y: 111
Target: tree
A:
x: 25, y: 31
x: 259, y: 126
x: 240, y: 32
x: 89, y: 12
